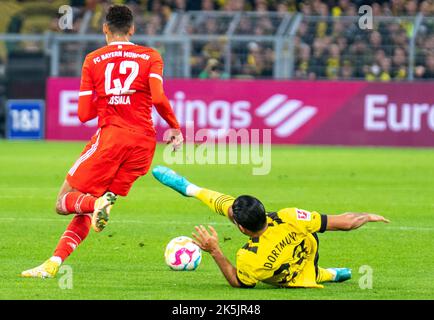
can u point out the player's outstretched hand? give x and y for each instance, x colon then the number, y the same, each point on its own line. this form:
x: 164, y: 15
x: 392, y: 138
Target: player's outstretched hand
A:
x: 377, y: 218
x: 175, y: 138
x: 208, y: 242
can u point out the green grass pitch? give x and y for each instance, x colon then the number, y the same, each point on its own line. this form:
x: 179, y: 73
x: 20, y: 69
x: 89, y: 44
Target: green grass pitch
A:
x: 126, y: 260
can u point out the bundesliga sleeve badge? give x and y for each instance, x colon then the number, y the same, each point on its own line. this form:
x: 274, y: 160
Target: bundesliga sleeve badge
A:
x: 303, y: 215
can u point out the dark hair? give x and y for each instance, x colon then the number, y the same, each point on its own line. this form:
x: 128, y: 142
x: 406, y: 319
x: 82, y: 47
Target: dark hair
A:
x: 249, y: 213
x: 119, y: 19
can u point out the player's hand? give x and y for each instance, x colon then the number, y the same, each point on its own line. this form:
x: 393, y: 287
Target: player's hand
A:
x: 175, y: 138
x: 377, y: 218
x: 208, y: 242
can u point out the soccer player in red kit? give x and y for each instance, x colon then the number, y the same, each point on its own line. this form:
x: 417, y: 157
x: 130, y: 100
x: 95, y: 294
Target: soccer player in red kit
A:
x: 119, y: 84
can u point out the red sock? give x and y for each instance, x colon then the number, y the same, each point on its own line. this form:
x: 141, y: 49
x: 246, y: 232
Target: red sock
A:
x: 77, y: 231
x: 77, y: 202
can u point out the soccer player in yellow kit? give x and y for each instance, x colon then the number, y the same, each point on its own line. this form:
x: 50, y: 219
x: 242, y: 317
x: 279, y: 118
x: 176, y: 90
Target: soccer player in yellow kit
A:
x: 283, y: 245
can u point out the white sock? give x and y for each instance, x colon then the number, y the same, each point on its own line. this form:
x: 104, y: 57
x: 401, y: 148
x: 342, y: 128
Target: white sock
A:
x: 192, y: 190
x: 56, y: 259
x: 334, y: 273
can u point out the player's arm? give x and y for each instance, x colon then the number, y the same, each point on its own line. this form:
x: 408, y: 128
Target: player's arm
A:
x: 315, y: 222
x: 351, y: 220
x: 86, y: 108
x: 209, y: 243
x: 162, y: 104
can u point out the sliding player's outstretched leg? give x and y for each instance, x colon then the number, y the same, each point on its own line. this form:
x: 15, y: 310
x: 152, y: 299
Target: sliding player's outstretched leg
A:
x: 333, y: 275
x: 175, y: 181
x: 216, y: 201
x: 340, y: 274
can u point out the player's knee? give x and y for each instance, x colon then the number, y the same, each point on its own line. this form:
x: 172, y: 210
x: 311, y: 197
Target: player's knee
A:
x: 59, y: 208
x: 60, y: 211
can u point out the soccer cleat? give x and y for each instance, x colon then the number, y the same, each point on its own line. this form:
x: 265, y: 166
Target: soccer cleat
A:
x: 342, y: 274
x: 48, y: 269
x: 101, y: 213
x: 171, y: 179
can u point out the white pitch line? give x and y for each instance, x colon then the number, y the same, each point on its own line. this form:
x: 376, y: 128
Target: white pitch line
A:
x: 27, y: 197
x: 9, y: 188
x: 171, y: 222
x: 117, y: 221
x: 401, y: 228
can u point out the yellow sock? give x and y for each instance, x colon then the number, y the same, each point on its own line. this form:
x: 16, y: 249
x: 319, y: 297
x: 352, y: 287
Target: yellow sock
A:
x: 324, y: 275
x: 216, y: 201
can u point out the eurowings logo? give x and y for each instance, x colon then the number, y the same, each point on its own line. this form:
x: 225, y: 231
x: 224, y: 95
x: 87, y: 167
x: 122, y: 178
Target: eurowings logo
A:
x: 285, y: 115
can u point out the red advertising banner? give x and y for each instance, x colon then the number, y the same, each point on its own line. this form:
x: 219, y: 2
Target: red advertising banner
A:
x: 333, y: 113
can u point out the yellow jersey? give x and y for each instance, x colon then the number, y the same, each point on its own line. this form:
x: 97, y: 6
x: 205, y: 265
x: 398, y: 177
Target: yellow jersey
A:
x: 286, y: 254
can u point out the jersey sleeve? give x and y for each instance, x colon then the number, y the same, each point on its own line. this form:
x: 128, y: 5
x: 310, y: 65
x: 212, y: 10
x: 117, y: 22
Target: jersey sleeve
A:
x: 86, y: 84
x: 245, y: 273
x: 310, y: 222
x: 157, y: 66
x: 159, y: 99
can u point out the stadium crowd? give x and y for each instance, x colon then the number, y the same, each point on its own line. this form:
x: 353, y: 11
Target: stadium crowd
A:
x: 327, y: 45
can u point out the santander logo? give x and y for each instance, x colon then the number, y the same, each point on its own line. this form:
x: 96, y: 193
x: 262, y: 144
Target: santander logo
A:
x: 285, y: 115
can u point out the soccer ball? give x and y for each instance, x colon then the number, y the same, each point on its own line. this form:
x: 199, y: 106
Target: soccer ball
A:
x: 182, y: 254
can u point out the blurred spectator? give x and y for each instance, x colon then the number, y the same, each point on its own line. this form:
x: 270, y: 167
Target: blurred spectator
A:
x: 303, y: 67
x: 208, y: 5
x: 397, y: 7
x: 375, y: 41
x: 213, y: 70
x: 333, y: 62
x: 234, y: 5
x: 214, y: 49
x: 245, y: 26
x: 427, y: 8
x: 342, y: 43
x: 357, y: 52
x: 426, y: 71
x: 399, y: 64
x: 319, y: 56
x: 205, y: 52
x: 254, y: 58
x: 259, y: 61
x: 385, y: 67
x: 347, y: 71
x: 411, y: 7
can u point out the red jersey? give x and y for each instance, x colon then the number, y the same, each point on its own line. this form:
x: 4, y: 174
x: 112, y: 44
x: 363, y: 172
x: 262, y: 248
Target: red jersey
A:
x: 117, y: 76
